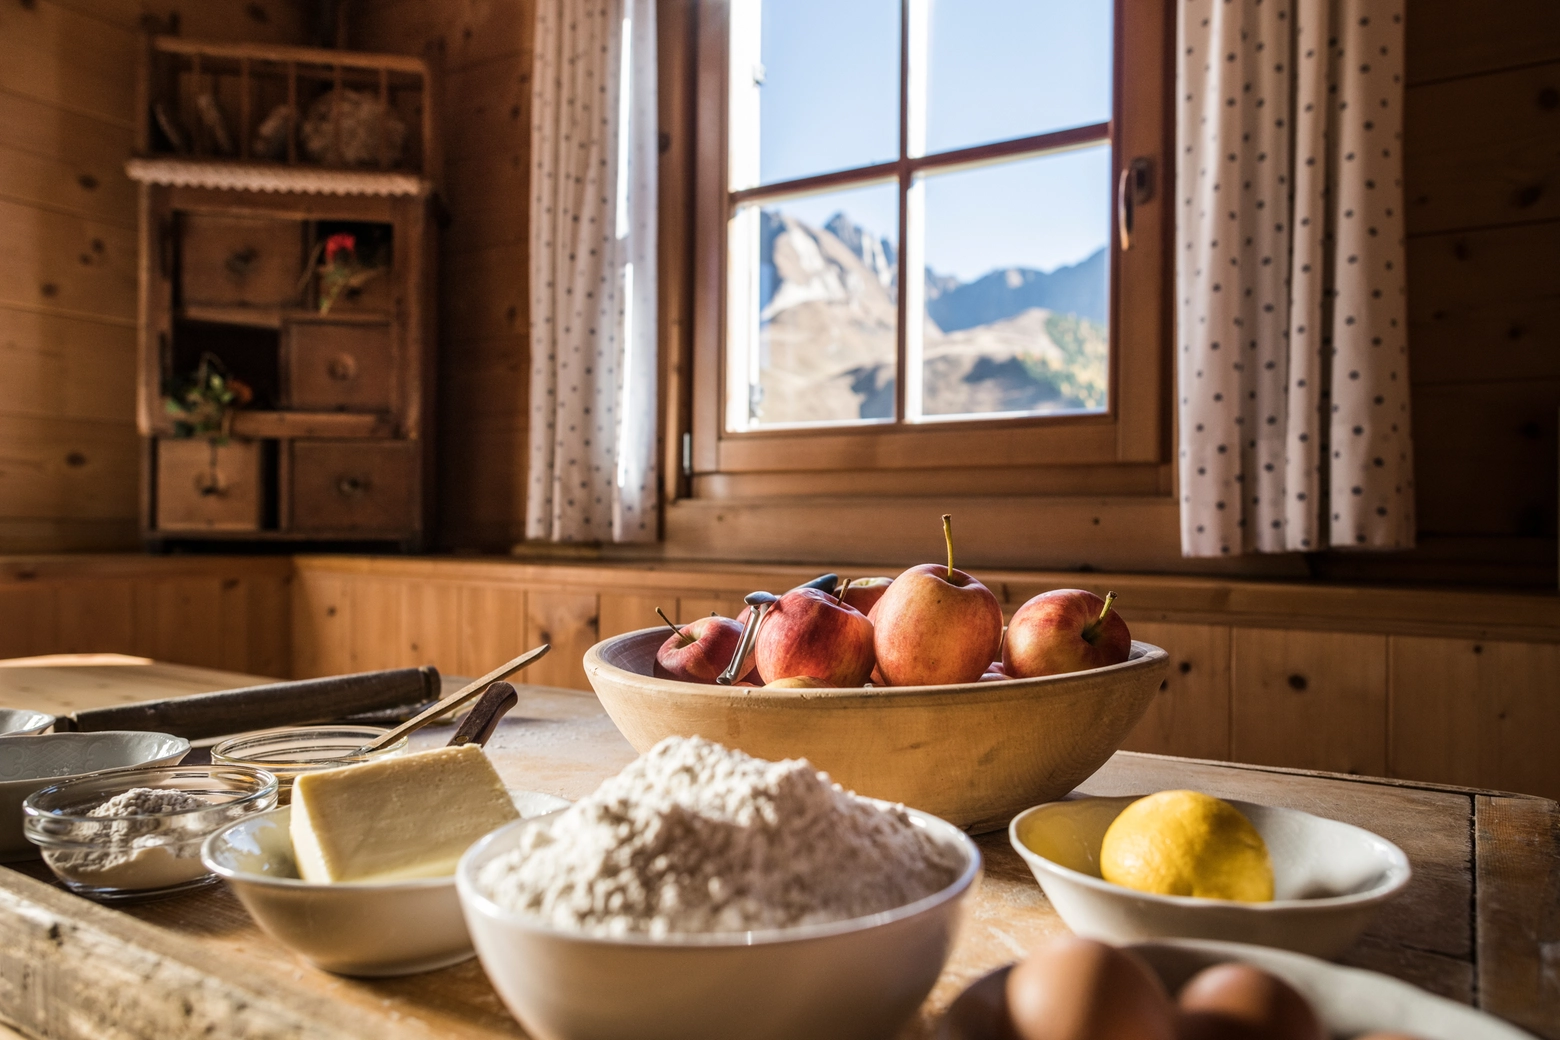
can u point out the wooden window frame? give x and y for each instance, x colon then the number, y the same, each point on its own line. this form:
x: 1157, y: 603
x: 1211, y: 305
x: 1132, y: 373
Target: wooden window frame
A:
x: 1124, y: 450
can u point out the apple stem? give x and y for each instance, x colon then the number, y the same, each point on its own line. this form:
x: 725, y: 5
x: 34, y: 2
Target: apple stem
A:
x: 1091, y: 631
x: 948, y: 537
x: 839, y: 597
x: 675, y: 630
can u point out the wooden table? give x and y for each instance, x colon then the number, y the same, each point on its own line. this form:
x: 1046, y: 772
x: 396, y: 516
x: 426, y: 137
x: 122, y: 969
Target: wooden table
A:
x: 1479, y: 923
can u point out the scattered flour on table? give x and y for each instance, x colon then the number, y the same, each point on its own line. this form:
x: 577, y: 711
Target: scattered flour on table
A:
x: 695, y: 838
x: 149, y: 861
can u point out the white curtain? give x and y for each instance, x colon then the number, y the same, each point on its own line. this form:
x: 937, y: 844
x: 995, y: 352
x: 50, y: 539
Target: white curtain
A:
x: 593, y: 273
x: 1292, y: 354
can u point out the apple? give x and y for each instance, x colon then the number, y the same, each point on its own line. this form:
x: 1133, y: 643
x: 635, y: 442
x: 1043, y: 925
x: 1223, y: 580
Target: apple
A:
x: 864, y: 593
x: 699, y: 651
x: 1065, y: 630
x: 936, y: 625
x: 811, y: 633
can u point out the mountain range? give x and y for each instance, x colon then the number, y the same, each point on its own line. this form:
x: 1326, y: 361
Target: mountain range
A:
x: 1014, y: 340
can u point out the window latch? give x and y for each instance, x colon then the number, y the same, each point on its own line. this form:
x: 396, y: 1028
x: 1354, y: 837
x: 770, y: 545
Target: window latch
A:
x: 1135, y: 187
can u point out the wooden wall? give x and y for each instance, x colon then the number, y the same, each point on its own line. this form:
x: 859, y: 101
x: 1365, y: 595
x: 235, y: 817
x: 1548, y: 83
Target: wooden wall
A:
x: 229, y: 613
x: 68, y: 449
x: 484, y: 314
x: 1482, y: 180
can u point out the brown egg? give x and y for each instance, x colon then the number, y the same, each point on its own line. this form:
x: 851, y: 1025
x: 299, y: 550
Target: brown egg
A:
x: 1238, y: 1002
x: 1079, y: 989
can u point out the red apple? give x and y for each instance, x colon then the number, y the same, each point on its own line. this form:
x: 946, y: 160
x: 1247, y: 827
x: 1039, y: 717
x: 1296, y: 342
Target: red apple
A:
x: 699, y: 651
x: 936, y: 625
x: 864, y: 593
x: 1065, y: 630
x: 810, y: 633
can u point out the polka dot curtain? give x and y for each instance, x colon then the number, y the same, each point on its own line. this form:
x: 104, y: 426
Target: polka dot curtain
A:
x: 1292, y: 355
x: 592, y: 475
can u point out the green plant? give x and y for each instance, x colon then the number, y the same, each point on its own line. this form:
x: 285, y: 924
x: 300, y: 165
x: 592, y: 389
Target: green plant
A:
x: 202, y: 403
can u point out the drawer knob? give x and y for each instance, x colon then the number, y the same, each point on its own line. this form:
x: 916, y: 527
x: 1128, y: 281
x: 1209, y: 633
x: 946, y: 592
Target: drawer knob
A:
x: 239, y: 261
x: 209, y: 484
x: 352, y: 486
x: 342, y: 367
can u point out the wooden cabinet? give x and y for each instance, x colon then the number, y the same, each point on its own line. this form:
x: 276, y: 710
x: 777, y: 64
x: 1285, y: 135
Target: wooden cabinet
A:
x: 340, y: 367
x: 234, y: 261
x: 352, y: 488
x: 208, y: 487
x: 310, y: 283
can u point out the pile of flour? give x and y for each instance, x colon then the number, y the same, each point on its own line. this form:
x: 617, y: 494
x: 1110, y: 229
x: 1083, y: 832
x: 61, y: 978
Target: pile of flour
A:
x: 133, y: 858
x: 695, y: 838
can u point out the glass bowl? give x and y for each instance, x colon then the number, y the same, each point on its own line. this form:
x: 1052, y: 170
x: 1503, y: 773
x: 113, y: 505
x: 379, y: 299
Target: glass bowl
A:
x: 292, y: 750
x: 147, y: 854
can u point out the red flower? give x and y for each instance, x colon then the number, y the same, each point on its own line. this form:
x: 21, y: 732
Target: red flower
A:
x: 338, y: 244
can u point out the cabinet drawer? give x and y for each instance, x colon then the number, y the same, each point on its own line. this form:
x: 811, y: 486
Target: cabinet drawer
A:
x: 206, y: 487
x: 249, y: 261
x: 358, y: 487
x: 347, y: 368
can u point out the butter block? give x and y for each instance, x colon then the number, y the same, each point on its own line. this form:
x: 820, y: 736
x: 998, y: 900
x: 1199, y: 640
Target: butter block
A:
x: 398, y: 818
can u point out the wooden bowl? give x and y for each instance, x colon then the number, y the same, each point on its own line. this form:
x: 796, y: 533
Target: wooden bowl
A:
x: 974, y: 754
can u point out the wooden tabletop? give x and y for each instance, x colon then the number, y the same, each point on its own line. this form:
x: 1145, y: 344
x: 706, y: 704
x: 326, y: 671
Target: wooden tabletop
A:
x: 1480, y: 921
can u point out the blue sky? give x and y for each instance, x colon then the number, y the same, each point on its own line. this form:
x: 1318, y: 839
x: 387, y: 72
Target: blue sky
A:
x: 998, y: 68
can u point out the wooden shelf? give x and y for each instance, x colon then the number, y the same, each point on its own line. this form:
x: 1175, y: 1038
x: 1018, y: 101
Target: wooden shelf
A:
x: 288, y: 425
x: 272, y: 317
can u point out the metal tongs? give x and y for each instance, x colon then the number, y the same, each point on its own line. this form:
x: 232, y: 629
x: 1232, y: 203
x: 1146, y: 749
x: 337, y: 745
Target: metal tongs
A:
x: 760, y: 602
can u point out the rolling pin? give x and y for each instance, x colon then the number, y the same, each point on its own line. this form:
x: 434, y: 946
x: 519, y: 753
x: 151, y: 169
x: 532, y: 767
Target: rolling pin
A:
x: 261, y: 707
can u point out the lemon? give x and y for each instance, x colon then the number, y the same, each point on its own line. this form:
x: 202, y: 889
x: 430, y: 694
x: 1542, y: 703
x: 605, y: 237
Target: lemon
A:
x: 1183, y: 843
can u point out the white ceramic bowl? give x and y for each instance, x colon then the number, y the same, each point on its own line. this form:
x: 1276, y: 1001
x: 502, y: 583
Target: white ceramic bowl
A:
x: 370, y: 929
x: 859, y: 979
x: 31, y: 763
x: 22, y: 721
x: 1328, y: 880
x: 1349, y: 1001
x: 970, y: 753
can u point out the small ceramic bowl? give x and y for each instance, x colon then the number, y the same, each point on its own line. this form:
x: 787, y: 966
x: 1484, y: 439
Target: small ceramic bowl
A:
x: 846, y: 980
x: 1349, y: 1001
x: 138, y: 857
x: 33, y: 762
x: 1329, y: 878
x: 22, y: 721
x: 365, y: 929
x: 290, y: 750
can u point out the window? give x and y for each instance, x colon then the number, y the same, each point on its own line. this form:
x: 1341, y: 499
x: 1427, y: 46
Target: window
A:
x: 928, y: 235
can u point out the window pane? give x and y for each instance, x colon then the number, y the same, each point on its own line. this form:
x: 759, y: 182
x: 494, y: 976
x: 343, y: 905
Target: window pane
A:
x: 813, y: 311
x: 1010, y: 68
x: 1017, y: 287
x: 825, y: 91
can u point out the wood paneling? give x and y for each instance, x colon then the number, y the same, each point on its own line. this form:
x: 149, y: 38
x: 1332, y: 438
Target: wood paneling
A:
x: 1478, y: 713
x: 1311, y: 700
x: 1191, y: 715
x: 492, y: 622
x: 69, y: 59
x: 66, y: 368
x: 1447, y: 38
x: 1489, y: 453
x: 1483, y: 151
x: 216, y: 612
x: 620, y: 613
x: 67, y: 468
x: 567, y: 620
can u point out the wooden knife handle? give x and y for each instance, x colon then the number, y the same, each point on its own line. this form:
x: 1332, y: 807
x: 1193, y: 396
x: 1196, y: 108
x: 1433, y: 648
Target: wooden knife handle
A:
x: 483, y: 718
x: 261, y: 707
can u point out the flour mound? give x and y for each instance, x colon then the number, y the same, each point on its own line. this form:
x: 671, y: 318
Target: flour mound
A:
x: 695, y: 838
